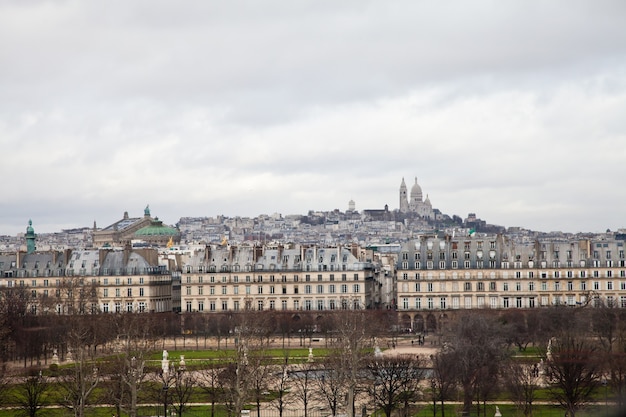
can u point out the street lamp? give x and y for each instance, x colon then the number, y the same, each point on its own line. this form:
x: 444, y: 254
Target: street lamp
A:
x: 132, y: 381
x: 165, y: 370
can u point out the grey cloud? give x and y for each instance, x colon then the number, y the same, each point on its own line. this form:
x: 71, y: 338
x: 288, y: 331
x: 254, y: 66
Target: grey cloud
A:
x: 110, y: 104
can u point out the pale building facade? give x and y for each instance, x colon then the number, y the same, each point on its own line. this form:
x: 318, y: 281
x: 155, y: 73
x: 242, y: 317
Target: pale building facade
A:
x: 234, y: 278
x: 421, y: 278
x: 90, y: 281
x: 436, y: 274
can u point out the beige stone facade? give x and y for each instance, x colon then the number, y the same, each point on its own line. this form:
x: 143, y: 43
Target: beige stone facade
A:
x: 220, y: 279
x: 90, y: 281
x: 437, y: 274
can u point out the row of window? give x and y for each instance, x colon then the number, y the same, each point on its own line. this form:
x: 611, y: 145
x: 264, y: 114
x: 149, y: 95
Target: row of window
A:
x: 543, y: 254
x: 271, y: 278
x: 129, y: 292
x: 129, y: 307
x: 308, y: 289
x: 272, y: 304
x: 442, y: 255
x: 116, y: 307
x: 493, y: 264
x: 58, y: 282
x: 105, y: 292
x: 516, y: 286
x: 322, y: 266
x: 469, y: 302
x: 524, y: 274
x: 70, y: 272
x: 455, y: 245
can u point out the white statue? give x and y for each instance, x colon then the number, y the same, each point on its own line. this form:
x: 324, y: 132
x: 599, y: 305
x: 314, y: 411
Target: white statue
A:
x: 377, y: 351
x: 165, y: 363
x: 549, y: 350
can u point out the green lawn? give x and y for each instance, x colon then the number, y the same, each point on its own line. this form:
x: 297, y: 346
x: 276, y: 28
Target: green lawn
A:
x: 508, y: 410
x: 451, y: 410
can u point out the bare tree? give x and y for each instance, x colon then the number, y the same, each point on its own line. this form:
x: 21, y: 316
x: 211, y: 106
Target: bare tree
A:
x: 284, y: 326
x: 352, y: 337
x: 516, y: 328
x: 79, y: 381
x: 487, y: 382
x: 76, y: 296
x: 604, y: 325
x: 113, y: 389
x: 477, y: 348
x: 173, y: 386
x: 238, y: 378
x: 331, y: 386
x: 281, y: 381
x: 395, y: 382
x: 135, y: 342
x: 182, y: 389
x: 126, y: 375
x: 208, y: 381
x: 522, y: 381
x: 615, y: 365
x: 259, y: 366
x: 574, y: 370
x: 302, y: 382
x: 443, y: 381
x: 14, y: 314
x: 233, y: 379
x: 32, y: 394
x: 219, y: 326
x: 4, y: 382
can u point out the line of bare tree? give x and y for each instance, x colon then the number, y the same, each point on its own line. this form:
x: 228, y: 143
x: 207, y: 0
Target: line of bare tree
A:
x: 579, y: 352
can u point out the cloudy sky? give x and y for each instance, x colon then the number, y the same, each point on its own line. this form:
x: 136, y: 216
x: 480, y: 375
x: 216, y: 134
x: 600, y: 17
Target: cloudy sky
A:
x: 513, y: 110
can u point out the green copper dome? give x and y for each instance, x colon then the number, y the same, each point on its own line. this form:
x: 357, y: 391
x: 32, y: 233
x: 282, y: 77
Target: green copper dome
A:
x: 156, y: 229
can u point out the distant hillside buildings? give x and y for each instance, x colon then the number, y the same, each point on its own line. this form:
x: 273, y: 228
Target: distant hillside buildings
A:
x: 427, y: 274
x: 318, y: 262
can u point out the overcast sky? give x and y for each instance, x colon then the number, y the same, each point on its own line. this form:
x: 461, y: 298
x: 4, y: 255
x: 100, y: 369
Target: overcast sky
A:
x: 514, y: 110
